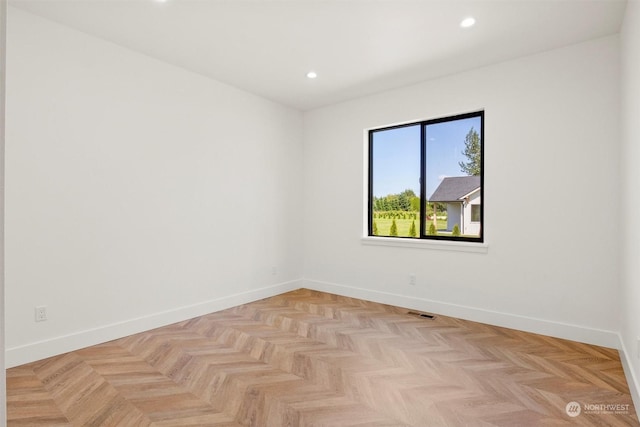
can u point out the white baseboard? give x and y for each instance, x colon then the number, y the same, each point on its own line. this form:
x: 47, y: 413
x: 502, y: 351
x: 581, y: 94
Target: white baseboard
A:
x: 528, y: 324
x: 632, y: 379
x: 42, y: 349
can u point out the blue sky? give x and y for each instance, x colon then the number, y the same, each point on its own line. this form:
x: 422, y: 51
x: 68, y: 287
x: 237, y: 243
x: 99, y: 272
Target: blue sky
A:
x: 396, y: 156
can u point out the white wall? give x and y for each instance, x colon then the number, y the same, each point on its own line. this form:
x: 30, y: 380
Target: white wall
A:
x: 3, y: 28
x: 551, y: 140
x: 471, y: 227
x: 630, y: 295
x: 137, y: 193
x: 454, y: 215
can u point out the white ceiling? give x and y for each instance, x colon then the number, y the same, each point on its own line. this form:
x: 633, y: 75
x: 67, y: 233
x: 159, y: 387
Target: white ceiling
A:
x: 357, y: 47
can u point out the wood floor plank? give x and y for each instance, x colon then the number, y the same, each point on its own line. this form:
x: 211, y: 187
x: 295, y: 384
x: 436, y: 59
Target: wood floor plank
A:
x: 307, y: 358
x: 28, y: 403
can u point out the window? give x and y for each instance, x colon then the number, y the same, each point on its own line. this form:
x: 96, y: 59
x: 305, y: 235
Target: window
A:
x: 426, y: 179
x: 475, y: 213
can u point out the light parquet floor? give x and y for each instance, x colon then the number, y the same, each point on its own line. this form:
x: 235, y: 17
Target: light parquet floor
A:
x: 307, y: 358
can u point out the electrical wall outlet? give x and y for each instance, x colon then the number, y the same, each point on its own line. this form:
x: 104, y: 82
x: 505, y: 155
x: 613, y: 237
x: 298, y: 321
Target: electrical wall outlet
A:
x: 41, y: 313
x: 274, y: 270
x: 412, y: 279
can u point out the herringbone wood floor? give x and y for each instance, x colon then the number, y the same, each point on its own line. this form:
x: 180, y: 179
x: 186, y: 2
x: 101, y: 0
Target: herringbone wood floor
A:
x: 308, y: 358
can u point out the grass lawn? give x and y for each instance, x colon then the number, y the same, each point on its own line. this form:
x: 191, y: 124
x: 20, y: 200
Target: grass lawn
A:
x: 384, y: 225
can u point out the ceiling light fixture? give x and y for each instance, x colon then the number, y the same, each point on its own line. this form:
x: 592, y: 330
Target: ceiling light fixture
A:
x: 312, y: 75
x: 468, y: 22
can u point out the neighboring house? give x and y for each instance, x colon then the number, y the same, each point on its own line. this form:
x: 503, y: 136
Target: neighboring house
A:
x: 462, y: 196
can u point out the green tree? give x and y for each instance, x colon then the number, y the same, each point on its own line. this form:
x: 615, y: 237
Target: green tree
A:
x: 456, y: 231
x: 409, y: 193
x: 397, y: 202
x: 415, y: 203
x: 432, y: 230
x: 377, y: 204
x: 394, y: 229
x: 404, y: 199
x: 412, y: 230
x: 375, y: 228
x: 472, y: 152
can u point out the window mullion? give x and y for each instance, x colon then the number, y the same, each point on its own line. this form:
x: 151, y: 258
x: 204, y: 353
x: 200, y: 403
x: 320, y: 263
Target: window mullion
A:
x: 370, y: 201
x: 423, y: 180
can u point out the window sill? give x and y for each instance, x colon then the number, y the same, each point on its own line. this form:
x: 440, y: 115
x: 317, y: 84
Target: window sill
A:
x: 481, y: 248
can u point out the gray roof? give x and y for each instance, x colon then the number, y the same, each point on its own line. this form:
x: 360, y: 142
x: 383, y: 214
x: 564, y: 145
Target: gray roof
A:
x: 453, y: 188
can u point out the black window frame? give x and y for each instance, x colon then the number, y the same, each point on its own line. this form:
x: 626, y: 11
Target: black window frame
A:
x: 422, y: 235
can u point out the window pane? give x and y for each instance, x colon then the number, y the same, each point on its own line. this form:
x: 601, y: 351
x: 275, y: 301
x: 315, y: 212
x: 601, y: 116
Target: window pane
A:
x: 453, y: 177
x: 395, y: 180
x: 475, y: 213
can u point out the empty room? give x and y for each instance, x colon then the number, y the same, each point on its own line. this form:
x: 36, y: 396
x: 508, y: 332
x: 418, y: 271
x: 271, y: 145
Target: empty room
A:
x: 320, y: 213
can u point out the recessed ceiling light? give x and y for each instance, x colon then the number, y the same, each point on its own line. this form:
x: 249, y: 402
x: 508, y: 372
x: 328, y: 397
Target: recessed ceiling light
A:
x: 312, y: 74
x: 468, y: 22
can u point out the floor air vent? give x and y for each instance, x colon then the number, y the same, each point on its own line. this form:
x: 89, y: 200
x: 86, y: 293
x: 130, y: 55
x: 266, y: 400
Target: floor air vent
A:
x: 423, y: 315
